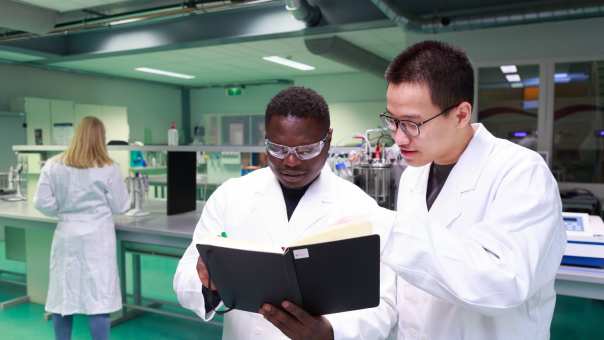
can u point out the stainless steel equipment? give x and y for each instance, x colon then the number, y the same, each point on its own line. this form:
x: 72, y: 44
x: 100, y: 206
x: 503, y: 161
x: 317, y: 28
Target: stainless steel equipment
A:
x: 15, y: 184
x: 377, y: 181
x: 138, y: 187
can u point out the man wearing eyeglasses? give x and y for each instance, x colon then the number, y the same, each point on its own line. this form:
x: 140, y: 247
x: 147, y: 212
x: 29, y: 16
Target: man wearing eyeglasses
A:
x: 294, y: 197
x: 479, y: 234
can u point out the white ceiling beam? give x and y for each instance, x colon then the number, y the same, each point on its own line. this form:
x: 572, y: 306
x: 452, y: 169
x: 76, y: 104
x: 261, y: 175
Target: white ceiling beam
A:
x: 28, y: 18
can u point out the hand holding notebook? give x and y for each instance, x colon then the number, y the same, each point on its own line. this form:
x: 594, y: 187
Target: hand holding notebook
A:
x: 334, y: 271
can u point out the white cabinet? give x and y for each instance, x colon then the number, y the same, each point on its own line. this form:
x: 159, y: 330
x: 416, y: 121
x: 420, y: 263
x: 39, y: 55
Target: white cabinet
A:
x: 115, y: 119
x: 62, y: 111
x: 83, y: 110
x: 62, y: 121
x: 49, y: 119
x: 37, y: 117
x: 42, y: 116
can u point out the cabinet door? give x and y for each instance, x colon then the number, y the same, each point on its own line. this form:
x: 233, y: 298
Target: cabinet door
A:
x: 62, y: 119
x: 115, y: 119
x: 62, y: 111
x: 83, y: 110
x: 37, y: 116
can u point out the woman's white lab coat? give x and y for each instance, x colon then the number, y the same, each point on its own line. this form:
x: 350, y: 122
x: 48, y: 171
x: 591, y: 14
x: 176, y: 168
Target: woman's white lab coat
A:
x: 481, y: 263
x: 252, y: 208
x: 83, y: 265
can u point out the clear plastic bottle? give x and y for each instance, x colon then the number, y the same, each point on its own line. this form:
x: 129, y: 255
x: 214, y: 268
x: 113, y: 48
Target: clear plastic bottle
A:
x: 172, y: 135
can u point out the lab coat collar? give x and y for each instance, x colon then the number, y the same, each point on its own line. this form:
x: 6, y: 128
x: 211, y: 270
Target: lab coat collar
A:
x: 463, y: 177
x: 468, y: 168
x: 313, y: 206
x: 474, y: 159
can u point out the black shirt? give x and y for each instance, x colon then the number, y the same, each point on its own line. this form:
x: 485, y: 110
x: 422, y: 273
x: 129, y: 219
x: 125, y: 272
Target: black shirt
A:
x: 292, y: 197
x: 436, y: 181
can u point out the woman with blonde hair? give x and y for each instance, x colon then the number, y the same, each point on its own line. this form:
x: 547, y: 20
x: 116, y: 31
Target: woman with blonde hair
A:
x: 83, y: 188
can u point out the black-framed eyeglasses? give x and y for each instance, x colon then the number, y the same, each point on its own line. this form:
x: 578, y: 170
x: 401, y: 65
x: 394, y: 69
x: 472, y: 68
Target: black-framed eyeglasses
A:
x: 410, y: 128
x: 302, y: 152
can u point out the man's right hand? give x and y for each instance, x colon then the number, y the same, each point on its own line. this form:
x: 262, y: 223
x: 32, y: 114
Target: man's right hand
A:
x: 204, y: 276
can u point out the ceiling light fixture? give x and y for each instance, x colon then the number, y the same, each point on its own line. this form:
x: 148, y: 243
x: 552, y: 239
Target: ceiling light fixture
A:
x: 512, y: 77
x: 289, y: 63
x: 164, y: 73
x: 508, y: 69
x: 124, y: 21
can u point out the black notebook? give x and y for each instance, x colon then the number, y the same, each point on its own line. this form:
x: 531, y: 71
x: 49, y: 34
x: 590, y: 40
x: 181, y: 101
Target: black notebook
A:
x: 322, y: 277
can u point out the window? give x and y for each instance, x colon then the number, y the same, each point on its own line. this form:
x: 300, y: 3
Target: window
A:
x: 578, y: 136
x: 508, y: 102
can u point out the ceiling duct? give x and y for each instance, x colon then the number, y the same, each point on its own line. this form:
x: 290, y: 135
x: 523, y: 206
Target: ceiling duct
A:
x: 304, y: 12
x: 23, y: 17
x: 343, y: 52
x: 489, y: 17
x: 136, y: 15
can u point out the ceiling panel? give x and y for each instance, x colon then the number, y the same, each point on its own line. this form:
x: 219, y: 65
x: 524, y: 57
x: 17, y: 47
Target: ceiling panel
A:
x: 385, y: 42
x: 215, y: 64
x: 69, y: 5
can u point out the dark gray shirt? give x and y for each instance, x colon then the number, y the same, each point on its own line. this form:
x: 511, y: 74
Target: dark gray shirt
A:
x: 436, y: 181
x: 292, y: 197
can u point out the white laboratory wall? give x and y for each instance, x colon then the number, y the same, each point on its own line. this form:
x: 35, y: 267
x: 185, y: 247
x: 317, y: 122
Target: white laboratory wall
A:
x: 150, y: 106
x: 354, y: 100
x: 208, y: 106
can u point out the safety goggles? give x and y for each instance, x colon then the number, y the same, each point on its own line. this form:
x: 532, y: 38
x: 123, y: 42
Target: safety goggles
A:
x: 302, y: 152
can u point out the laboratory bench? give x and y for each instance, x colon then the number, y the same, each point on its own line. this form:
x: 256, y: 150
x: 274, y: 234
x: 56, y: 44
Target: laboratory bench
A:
x: 156, y: 234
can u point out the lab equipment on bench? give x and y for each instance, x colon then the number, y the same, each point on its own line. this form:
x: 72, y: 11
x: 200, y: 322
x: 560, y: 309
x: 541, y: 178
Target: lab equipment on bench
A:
x: 375, y: 168
x: 14, y: 183
x: 138, y: 187
x: 585, y: 240
x: 580, y: 200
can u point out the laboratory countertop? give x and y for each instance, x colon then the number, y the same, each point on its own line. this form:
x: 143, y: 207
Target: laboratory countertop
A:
x: 157, y: 222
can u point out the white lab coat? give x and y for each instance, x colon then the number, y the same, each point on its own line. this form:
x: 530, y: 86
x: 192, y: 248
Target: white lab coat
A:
x: 83, y: 265
x: 252, y: 208
x: 481, y: 263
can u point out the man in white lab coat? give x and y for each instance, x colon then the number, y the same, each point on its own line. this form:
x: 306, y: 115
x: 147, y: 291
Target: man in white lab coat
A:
x: 295, y: 197
x: 479, y: 234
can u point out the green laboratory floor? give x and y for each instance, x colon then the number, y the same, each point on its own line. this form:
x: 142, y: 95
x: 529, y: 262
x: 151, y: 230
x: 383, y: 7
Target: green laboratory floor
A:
x: 574, y: 318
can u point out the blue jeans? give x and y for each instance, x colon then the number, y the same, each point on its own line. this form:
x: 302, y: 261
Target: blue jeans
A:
x: 99, y: 325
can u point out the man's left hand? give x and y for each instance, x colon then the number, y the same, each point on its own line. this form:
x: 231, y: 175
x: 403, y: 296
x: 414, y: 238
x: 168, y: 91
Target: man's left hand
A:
x: 296, y: 323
